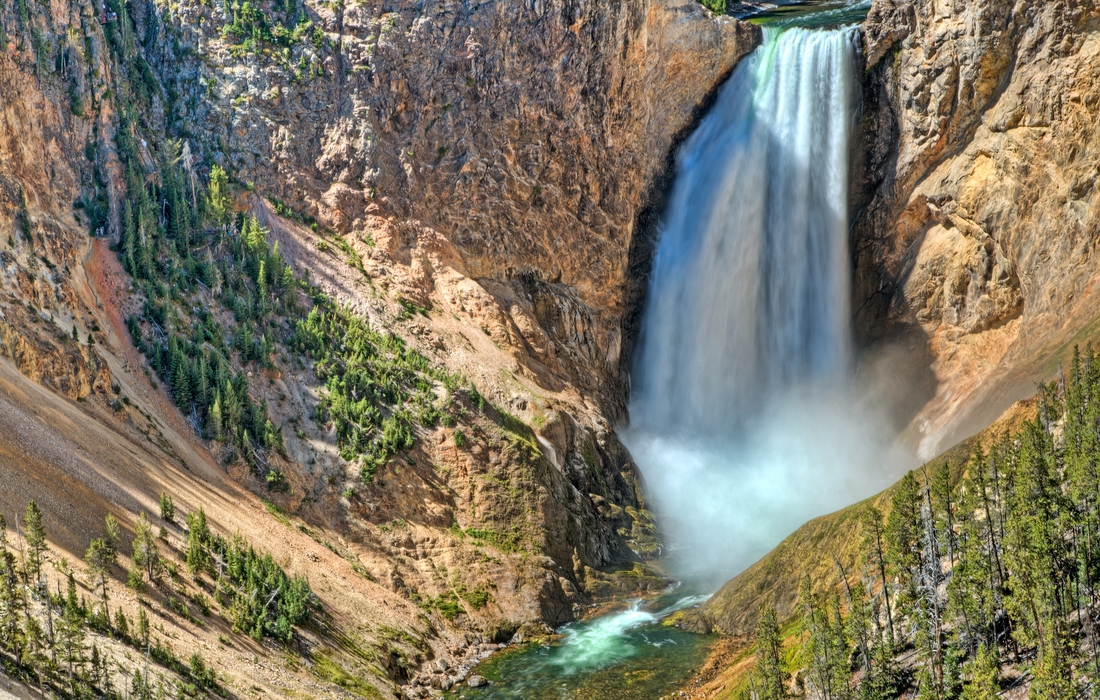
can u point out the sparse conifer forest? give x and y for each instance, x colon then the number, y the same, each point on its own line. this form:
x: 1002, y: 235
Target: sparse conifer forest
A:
x: 974, y: 580
x: 59, y: 634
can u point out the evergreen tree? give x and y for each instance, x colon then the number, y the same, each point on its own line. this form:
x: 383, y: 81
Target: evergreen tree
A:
x: 167, y: 508
x: 943, y: 509
x: 12, y: 602
x: 874, y: 553
x: 181, y: 385
x: 218, y: 194
x: 71, y: 634
x: 99, y: 567
x: 112, y: 536
x: 34, y: 536
x: 903, y: 540
x: 122, y: 624
x: 200, y: 388
x: 216, y: 422
x: 983, y: 676
x: 146, y: 556
x: 143, y: 627
x: 198, y: 534
x: 769, y: 671
x: 1037, y: 559
x: 827, y: 647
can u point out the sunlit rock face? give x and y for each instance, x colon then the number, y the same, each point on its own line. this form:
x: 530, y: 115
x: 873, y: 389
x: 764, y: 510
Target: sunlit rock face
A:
x: 532, y: 135
x: 976, y: 197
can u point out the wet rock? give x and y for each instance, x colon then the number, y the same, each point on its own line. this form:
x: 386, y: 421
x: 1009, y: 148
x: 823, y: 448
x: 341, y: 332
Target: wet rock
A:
x: 476, y: 681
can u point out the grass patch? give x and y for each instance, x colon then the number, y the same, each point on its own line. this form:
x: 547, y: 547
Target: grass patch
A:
x: 329, y: 670
x: 276, y: 512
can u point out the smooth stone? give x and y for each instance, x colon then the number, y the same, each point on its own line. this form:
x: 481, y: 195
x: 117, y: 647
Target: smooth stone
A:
x: 477, y: 681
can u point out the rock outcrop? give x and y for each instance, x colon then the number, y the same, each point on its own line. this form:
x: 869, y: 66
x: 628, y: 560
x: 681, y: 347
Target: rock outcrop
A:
x: 977, y: 203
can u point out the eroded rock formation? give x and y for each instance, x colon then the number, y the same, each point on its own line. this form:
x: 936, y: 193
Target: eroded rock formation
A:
x: 980, y: 211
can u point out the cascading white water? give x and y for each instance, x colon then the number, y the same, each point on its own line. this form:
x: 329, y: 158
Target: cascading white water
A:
x: 741, y: 418
x: 750, y: 283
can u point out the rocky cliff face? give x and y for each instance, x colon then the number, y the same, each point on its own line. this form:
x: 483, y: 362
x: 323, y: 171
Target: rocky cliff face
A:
x: 531, y: 135
x: 978, y: 211
x: 494, y: 168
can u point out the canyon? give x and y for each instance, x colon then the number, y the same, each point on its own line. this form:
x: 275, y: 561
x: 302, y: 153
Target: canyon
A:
x: 485, y: 180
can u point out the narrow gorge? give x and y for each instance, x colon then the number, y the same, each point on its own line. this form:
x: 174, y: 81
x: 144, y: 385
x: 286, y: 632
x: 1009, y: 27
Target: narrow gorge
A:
x: 492, y: 349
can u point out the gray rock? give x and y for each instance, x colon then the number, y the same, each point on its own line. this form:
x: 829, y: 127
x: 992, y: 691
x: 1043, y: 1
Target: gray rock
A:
x: 476, y: 681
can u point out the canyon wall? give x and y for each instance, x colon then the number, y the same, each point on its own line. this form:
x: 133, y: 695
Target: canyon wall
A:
x: 976, y: 205
x: 531, y: 135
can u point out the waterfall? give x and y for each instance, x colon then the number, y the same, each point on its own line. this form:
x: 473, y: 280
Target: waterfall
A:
x: 741, y: 414
x: 750, y: 283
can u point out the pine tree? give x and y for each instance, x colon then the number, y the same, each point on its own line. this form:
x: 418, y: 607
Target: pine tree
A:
x: 99, y: 568
x: 181, y: 386
x: 874, y: 553
x: 983, y: 670
x: 34, y: 535
x: 143, y: 627
x: 122, y: 624
x: 827, y: 647
x: 71, y: 634
x: 1037, y: 558
x: 218, y: 195
x: 112, y: 536
x: 216, y: 422
x: 200, y: 388
x: 231, y: 407
x: 11, y: 604
x: 903, y: 535
x: 146, y: 555
x: 943, y: 509
x: 198, y: 534
x: 167, y: 508
x: 769, y: 671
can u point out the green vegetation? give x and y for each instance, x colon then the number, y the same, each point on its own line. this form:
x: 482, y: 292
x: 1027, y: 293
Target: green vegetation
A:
x: 972, y: 569
x: 56, y: 641
x: 167, y: 508
x: 262, y: 600
x: 218, y: 304
x: 329, y: 670
x: 719, y: 7
x: 282, y: 24
x: 376, y: 389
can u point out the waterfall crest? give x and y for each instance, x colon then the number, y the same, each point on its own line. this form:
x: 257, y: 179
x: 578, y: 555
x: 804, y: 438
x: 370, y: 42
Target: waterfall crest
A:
x: 744, y: 420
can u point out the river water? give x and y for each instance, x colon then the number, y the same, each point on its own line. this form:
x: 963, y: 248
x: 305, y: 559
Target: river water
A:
x: 623, y: 655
